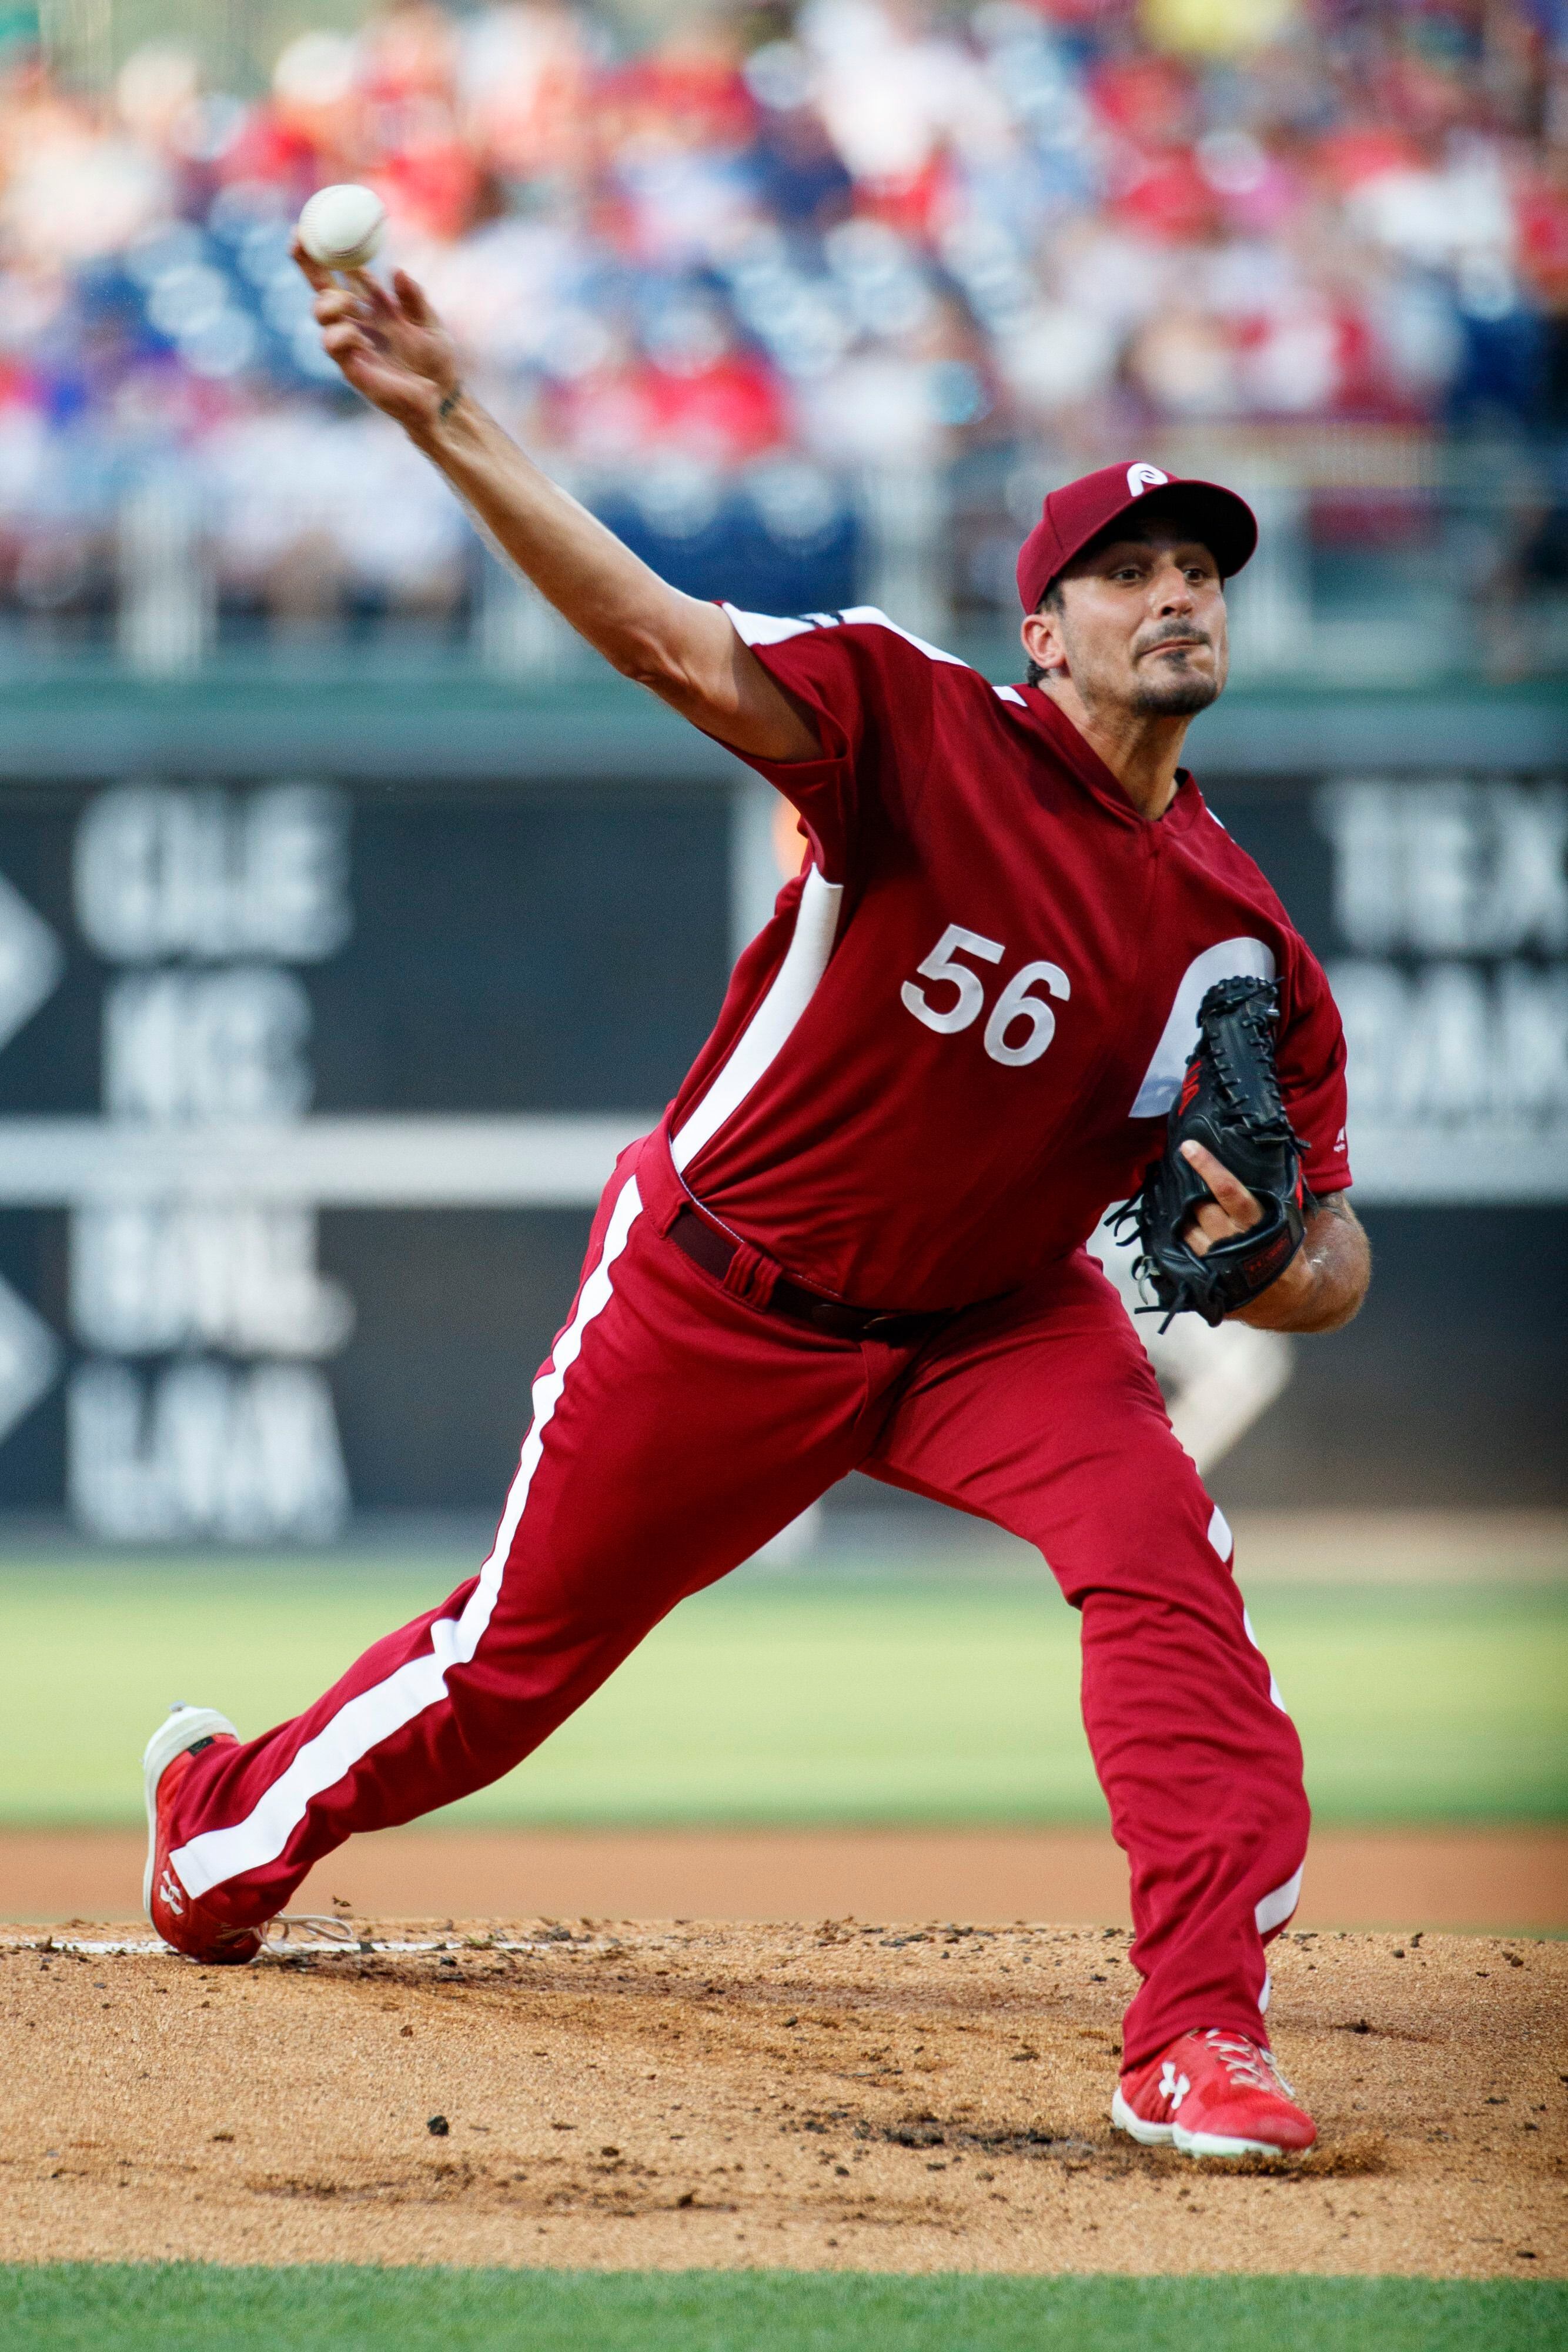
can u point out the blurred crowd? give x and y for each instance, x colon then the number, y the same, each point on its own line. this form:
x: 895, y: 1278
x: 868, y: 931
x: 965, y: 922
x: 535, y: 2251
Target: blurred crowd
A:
x: 714, y: 273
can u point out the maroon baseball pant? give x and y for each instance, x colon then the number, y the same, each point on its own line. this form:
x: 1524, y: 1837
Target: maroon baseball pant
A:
x: 677, y: 1427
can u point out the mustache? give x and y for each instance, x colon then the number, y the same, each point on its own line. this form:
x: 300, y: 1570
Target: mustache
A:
x: 1183, y: 633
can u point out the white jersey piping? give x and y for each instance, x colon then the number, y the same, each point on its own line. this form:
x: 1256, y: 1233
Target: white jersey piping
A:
x: 768, y: 629
x: 794, y: 984
x: 374, y: 1715
x: 816, y: 919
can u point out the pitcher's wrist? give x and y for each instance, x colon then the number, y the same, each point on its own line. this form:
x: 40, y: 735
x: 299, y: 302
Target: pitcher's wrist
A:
x: 446, y: 427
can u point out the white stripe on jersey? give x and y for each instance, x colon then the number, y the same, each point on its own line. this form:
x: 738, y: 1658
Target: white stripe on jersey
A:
x: 816, y: 919
x: 794, y: 984
x: 764, y: 629
x: 869, y: 615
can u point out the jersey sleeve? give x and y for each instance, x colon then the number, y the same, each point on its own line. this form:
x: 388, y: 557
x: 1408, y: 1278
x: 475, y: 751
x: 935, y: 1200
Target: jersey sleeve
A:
x: 1311, y: 1065
x: 867, y: 685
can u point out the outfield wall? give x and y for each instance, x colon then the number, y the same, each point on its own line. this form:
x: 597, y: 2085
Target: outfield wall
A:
x: 323, y: 1010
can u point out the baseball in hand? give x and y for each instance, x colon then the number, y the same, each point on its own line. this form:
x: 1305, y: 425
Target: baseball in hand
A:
x: 340, y: 227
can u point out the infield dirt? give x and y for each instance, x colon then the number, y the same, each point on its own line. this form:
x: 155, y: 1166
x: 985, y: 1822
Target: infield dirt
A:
x: 682, y: 2094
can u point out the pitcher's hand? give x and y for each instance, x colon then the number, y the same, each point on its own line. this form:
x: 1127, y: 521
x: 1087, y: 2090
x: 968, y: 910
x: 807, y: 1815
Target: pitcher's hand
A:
x: 1234, y: 1210
x: 391, y: 347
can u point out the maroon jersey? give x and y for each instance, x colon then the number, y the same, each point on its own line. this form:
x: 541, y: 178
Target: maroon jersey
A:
x: 956, y: 1043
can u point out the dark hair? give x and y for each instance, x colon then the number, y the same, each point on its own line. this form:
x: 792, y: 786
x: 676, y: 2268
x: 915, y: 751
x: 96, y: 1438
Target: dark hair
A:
x: 1051, y: 598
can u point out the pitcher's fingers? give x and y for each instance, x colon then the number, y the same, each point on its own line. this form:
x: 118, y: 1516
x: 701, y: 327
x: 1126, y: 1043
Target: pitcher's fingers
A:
x: 336, y: 303
x: 411, y: 299
x: 376, y: 303
x: 320, y: 278
x: 1208, y: 1226
x: 1216, y: 1221
x: 347, y: 343
x: 1228, y: 1190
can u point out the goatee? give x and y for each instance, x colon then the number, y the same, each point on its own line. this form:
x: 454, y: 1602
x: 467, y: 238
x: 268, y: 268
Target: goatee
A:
x: 1179, y: 696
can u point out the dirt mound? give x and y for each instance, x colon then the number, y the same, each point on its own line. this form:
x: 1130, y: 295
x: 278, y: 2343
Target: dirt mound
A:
x: 908, y: 2098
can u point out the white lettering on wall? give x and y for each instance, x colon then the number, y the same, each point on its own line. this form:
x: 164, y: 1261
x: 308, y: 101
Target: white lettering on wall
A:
x: 203, y: 1449
x: 167, y: 871
x: 208, y: 895
x: 238, y: 1276
x: 1455, y: 1042
x: 1449, y: 867
x: 206, y: 1044
x: 1453, y: 892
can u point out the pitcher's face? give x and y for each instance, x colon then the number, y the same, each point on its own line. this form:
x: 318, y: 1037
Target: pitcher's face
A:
x: 1139, y: 622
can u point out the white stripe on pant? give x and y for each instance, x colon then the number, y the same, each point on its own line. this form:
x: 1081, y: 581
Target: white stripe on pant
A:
x: 375, y: 1714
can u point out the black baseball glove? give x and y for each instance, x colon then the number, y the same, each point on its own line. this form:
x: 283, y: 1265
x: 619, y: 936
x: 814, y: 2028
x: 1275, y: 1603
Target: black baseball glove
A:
x: 1230, y: 1103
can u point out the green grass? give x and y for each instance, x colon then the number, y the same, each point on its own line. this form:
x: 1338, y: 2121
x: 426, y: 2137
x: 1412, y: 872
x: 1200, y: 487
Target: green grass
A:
x: 64, y: 2307
x: 778, y: 1699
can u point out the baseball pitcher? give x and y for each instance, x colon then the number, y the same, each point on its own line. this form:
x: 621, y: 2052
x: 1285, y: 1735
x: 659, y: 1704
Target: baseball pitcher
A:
x: 1024, y: 974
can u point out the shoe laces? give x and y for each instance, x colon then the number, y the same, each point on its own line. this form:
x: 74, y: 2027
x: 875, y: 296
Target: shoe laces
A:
x: 1249, y: 2065
x: 291, y: 1930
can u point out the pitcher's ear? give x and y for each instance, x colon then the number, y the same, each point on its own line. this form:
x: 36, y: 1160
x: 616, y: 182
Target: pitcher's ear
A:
x: 1043, y: 639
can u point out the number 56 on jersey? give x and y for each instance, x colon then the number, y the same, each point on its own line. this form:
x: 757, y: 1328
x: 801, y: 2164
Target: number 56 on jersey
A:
x: 1021, y: 1026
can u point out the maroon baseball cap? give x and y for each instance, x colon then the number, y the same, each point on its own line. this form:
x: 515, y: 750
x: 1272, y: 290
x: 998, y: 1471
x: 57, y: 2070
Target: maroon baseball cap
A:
x: 1079, y: 511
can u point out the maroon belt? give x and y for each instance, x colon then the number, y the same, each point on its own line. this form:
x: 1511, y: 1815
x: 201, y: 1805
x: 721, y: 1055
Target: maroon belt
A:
x: 715, y: 1252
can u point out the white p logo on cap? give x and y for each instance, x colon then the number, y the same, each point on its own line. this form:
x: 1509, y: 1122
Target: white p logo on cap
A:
x: 1144, y: 478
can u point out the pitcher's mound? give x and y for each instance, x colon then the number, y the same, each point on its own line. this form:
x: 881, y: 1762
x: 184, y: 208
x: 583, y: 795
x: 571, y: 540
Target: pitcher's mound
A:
x: 680, y: 2094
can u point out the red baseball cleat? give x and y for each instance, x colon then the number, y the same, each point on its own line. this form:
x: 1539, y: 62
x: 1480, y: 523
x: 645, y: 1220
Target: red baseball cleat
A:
x: 180, y: 1918
x: 1213, y: 2094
